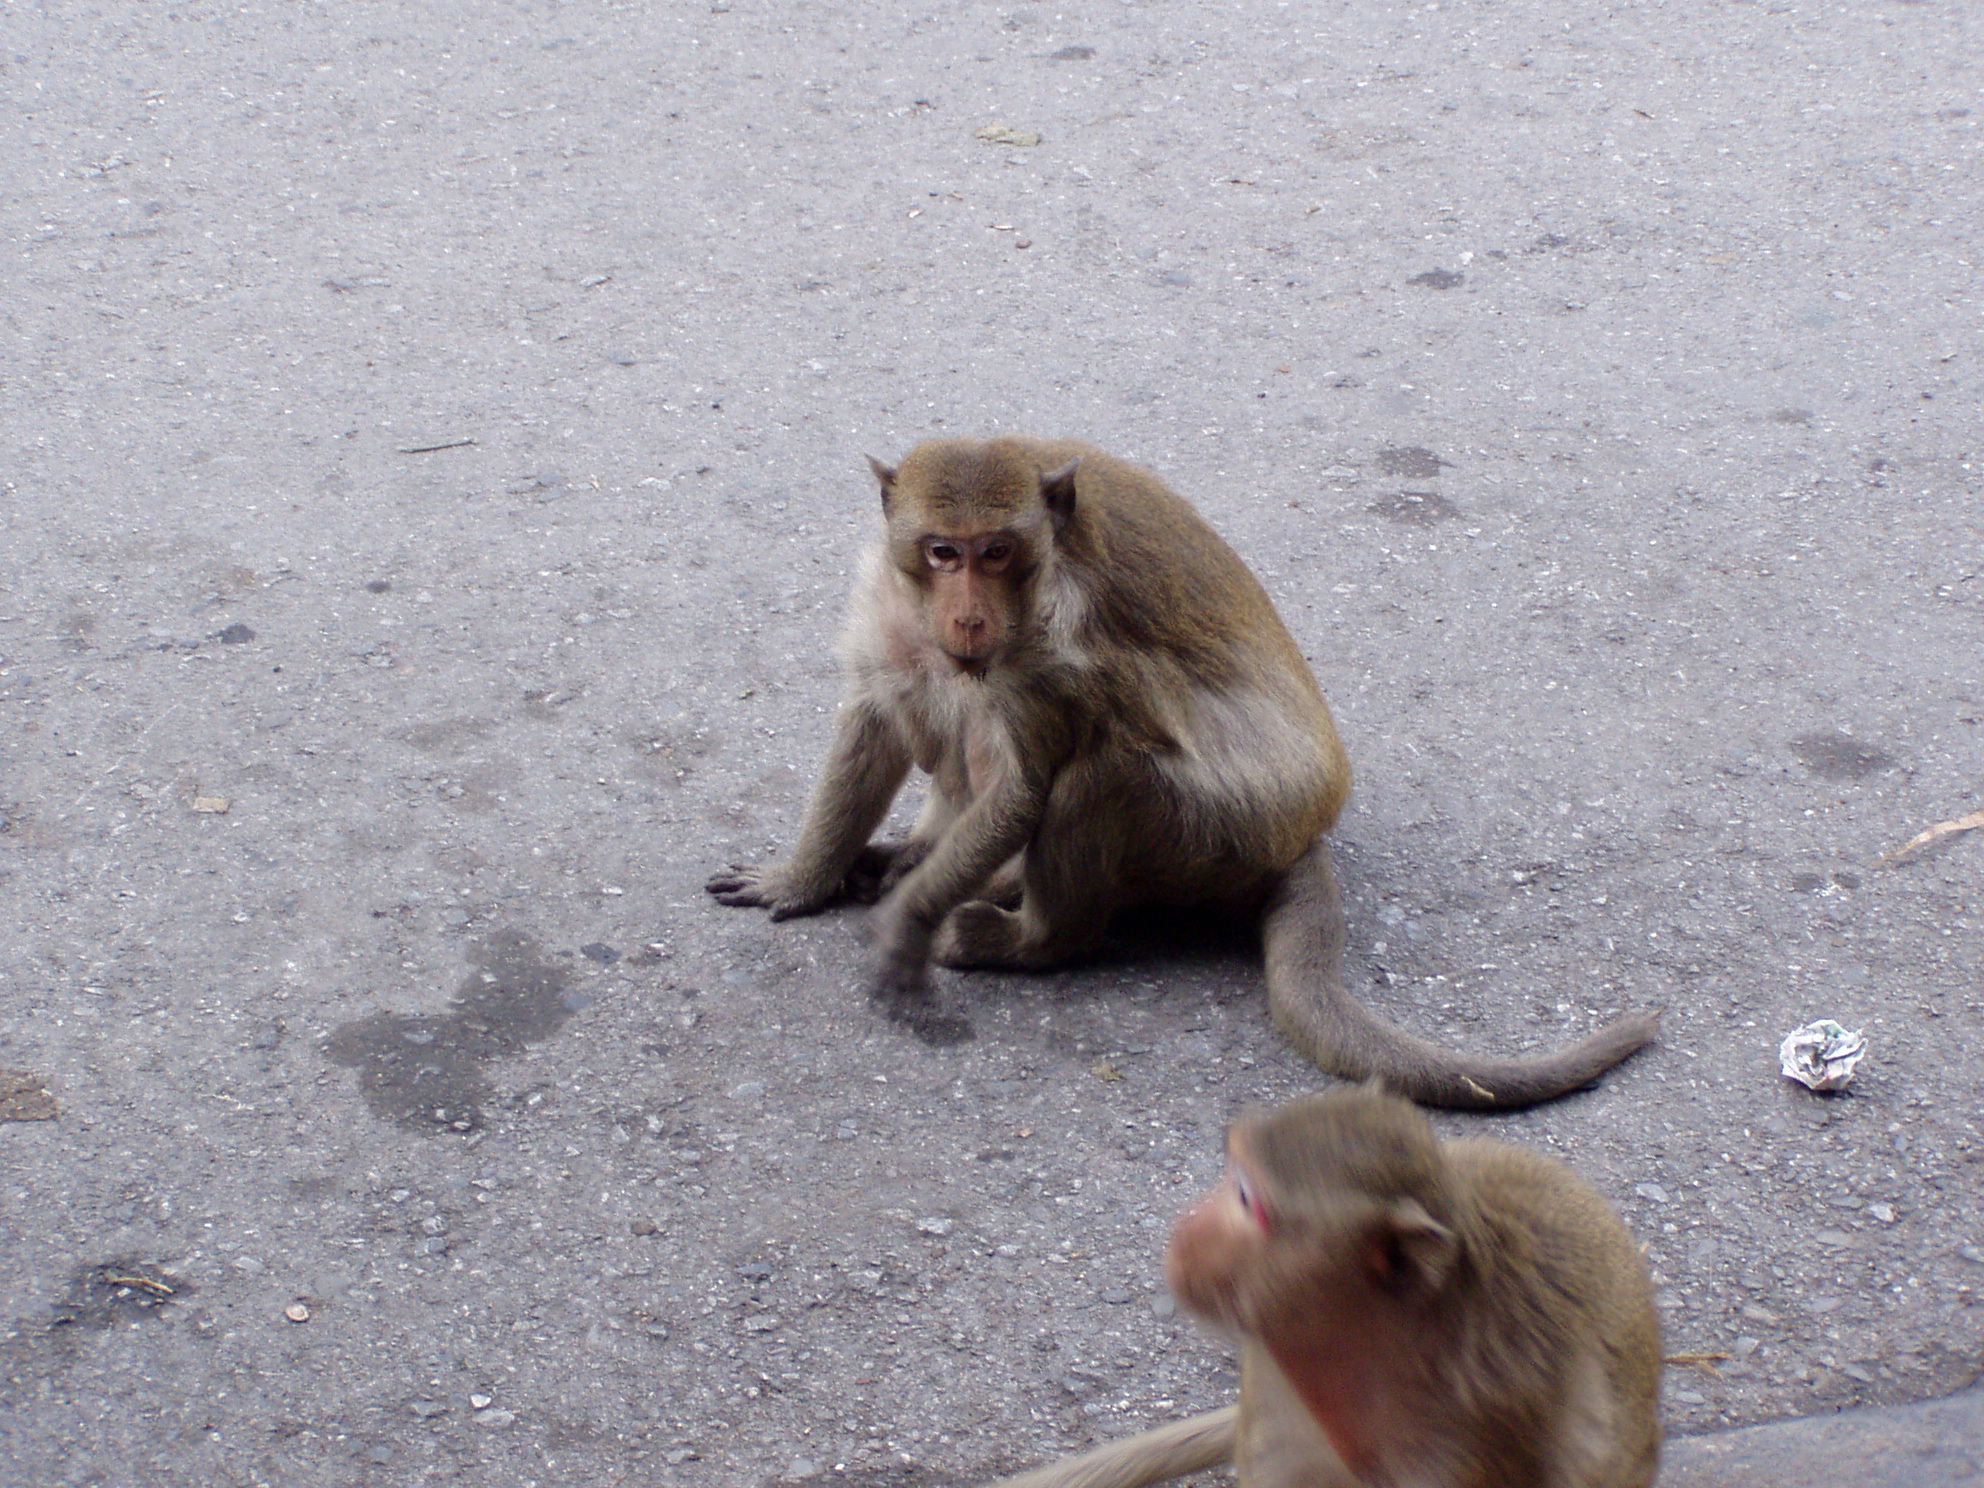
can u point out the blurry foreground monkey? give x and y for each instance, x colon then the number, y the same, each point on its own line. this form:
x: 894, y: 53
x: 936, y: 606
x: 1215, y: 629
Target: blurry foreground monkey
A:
x: 1111, y: 714
x: 1409, y: 1315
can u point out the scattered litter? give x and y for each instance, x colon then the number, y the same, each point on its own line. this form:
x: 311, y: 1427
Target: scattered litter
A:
x: 1936, y: 833
x: 212, y: 805
x: 1704, y: 1362
x: 25, y: 1097
x: 1005, y: 134
x: 296, y: 1312
x: 1107, y: 1073
x: 1821, y: 1055
x: 135, y: 1280
x: 429, y: 449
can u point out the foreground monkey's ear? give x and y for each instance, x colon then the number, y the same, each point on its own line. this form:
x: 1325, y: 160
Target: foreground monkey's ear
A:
x: 1057, y: 489
x: 886, y: 474
x: 1408, y: 1251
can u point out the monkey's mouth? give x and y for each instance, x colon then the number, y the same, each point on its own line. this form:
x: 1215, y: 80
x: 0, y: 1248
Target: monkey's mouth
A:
x: 971, y: 666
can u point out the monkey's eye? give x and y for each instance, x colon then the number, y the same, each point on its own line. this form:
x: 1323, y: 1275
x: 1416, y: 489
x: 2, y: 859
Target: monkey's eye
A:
x: 998, y: 554
x: 1249, y: 1201
x: 943, y: 555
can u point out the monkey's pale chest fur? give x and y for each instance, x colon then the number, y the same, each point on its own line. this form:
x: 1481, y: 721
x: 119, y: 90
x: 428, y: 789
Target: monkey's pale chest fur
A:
x: 946, y: 712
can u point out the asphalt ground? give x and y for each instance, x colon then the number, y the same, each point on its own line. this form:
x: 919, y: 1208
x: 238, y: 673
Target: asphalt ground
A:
x: 431, y: 466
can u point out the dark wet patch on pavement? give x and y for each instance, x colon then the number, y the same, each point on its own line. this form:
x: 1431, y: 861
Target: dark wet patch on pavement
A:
x: 1834, y: 756
x: 429, y: 1072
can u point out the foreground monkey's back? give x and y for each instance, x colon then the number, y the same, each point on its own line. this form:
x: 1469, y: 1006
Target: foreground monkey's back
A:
x: 1563, y: 1290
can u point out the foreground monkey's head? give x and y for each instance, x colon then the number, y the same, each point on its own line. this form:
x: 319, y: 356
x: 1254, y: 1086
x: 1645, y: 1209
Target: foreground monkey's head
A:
x: 1335, y: 1207
x: 971, y: 523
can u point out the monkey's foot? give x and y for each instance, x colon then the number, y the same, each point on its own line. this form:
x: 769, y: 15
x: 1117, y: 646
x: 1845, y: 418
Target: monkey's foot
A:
x: 880, y: 867
x: 764, y: 888
x: 979, y: 933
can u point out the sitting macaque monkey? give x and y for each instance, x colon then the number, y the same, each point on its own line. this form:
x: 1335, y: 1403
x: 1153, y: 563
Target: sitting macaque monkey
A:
x: 1409, y: 1315
x: 1111, y: 714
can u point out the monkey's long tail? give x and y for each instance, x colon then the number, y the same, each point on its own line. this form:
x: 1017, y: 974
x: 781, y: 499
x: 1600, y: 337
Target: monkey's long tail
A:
x: 1303, y: 936
x: 1154, y: 1457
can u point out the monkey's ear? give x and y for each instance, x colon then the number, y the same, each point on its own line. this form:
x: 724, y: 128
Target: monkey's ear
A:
x: 1408, y: 1252
x: 1057, y: 489
x: 886, y: 475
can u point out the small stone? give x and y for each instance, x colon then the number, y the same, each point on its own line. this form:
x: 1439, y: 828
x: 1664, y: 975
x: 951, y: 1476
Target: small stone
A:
x: 1690, y: 1397
x: 427, y: 1410
x: 801, y: 1467
x: 494, y: 1417
x: 1756, y: 1314
x: 1163, y: 1305
x: 481, y: 1402
x: 761, y: 1324
x: 252, y: 1265
x: 643, y: 1227
x: 1972, y: 1253
x: 1651, y: 1191
x: 296, y: 1312
x: 934, y: 1225
x: 1116, y: 1296
x: 1854, y: 1371
x: 1746, y: 1346
x: 1883, y: 1212
x: 676, y: 1456
x: 211, y: 805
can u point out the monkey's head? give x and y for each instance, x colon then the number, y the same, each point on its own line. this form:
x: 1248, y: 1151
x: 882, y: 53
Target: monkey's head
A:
x: 1336, y: 1211
x: 972, y: 524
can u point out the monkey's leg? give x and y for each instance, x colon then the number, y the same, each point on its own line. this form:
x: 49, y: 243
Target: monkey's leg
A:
x: 880, y: 866
x: 1070, y: 882
x: 864, y: 770
x: 992, y: 829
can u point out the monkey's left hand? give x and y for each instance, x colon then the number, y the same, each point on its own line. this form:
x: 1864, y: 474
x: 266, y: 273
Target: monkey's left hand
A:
x: 766, y: 888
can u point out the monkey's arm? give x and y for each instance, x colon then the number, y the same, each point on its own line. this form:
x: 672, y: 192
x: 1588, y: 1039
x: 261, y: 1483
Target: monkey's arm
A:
x: 865, y: 768
x: 1154, y: 1457
x: 995, y: 826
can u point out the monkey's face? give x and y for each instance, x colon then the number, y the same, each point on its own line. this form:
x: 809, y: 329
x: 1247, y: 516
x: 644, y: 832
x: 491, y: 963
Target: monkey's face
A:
x: 1261, y: 1258
x: 1221, y: 1243
x: 971, y: 586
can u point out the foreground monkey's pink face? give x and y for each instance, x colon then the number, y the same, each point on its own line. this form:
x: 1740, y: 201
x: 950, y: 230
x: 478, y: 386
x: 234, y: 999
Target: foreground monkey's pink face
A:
x: 972, y: 596
x: 1223, y: 1236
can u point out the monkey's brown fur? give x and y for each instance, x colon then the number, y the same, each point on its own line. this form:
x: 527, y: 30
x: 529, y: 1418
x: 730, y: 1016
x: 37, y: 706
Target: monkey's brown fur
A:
x: 1462, y: 1316
x: 1112, y: 714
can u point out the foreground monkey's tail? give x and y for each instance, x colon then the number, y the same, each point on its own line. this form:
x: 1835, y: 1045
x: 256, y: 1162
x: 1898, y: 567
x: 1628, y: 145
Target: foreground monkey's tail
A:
x: 1303, y: 936
x: 1154, y: 1457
